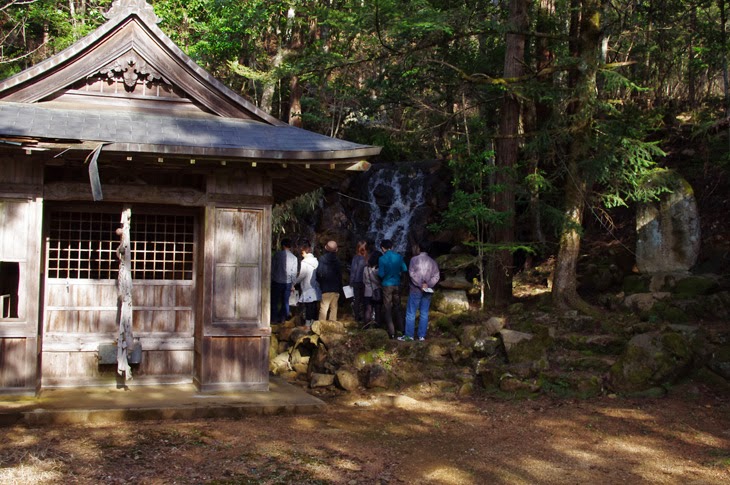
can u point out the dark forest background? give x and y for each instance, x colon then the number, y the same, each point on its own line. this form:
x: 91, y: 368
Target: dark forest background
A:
x: 555, y: 117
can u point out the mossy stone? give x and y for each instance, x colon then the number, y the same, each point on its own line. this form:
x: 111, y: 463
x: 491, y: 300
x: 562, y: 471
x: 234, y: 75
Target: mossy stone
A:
x: 636, y: 284
x: 668, y: 313
x: 695, y: 286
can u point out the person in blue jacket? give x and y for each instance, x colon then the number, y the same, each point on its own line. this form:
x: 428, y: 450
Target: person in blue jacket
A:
x: 390, y: 267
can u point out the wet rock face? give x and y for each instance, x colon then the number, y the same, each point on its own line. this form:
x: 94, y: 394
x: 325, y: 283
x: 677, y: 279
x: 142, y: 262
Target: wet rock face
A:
x: 392, y: 201
x: 668, y: 231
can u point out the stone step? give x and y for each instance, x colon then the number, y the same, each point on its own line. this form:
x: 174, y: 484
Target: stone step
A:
x: 579, y: 383
x: 599, y: 344
x: 572, y: 360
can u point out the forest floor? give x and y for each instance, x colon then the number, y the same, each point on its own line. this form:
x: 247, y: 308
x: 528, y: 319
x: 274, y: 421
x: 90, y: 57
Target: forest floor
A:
x: 385, y: 437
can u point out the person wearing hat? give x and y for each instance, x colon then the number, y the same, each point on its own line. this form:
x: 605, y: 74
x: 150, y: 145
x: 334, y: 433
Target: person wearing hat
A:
x: 329, y: 275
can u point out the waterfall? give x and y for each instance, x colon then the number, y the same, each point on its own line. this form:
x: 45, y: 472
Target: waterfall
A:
x: 394, y: 196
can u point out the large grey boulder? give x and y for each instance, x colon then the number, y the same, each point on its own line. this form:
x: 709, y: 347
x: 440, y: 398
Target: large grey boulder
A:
x: 321, y: 380
x: 451, y: 301
x: 720, y: 361
x: 526, y: 348
x: 668, y: 231
x: 346, y: 379
x: 479, y: 338
x: 280, y: 364
x: 453, y: 271
x: 377, y: 377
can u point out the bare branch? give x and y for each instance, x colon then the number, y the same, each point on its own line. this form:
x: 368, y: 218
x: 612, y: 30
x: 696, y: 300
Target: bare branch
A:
x: 14, y: 59
x: 16, y: 3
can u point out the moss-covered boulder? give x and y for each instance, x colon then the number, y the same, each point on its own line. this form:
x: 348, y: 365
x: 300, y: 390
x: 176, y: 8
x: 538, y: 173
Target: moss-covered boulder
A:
x: 720, y: 361
x: 488, y: 372
x: 523, y: 348
x: 596, y: 344
x: 665, y: 311
x: 377, y: 377
x: 656, y: 359
x: 693, y: 286
x: 479, y: 338
x: 366, y: 358
x: 636, y: 284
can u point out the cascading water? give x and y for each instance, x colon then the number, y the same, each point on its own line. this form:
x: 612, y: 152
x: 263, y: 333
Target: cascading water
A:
x: 394, y: 196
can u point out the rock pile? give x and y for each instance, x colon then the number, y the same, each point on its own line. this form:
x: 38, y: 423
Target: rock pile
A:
x: 520, y: 353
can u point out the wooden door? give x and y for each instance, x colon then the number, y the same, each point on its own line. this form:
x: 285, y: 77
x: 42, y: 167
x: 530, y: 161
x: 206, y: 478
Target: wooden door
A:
x: 234, y: 346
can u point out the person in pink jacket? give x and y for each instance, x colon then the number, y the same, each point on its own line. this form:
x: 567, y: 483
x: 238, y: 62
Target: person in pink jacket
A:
x: 423, y: 273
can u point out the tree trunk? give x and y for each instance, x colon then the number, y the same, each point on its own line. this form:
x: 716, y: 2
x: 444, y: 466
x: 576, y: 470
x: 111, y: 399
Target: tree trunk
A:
x: 542, y: 113
x: 295, y: 102
x: 507, y: 153
x: 588, y: 49
x: 565, y: 292
x: 691, y: 69
x: 269, y: 86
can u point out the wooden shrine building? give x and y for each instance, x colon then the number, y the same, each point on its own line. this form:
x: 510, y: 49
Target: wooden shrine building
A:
x: 123, y: 122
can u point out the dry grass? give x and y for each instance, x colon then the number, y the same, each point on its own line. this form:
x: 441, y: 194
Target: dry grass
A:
x: 391, y: 438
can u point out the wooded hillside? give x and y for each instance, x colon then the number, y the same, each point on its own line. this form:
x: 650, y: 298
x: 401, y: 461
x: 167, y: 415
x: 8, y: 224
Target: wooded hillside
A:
x: 549, y: 113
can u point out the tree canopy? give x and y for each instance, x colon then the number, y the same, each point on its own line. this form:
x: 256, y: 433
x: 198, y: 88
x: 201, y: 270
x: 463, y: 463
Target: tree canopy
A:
x: 591, y: 87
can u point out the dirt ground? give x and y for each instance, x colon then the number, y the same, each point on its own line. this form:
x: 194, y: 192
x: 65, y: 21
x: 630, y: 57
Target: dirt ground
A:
x: 390, y: 438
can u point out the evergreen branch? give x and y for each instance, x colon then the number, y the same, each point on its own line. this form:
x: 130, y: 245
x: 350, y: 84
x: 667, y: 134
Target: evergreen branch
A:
x: 481, y: 78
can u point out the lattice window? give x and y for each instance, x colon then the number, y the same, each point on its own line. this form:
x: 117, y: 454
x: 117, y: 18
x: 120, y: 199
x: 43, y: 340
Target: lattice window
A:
x: 82, y: 245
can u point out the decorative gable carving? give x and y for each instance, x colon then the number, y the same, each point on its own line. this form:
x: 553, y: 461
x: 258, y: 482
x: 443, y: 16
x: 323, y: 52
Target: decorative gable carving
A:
x: 131, y: 68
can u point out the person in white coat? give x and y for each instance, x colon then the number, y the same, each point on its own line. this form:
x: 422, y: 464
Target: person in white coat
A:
x: 307, y: 281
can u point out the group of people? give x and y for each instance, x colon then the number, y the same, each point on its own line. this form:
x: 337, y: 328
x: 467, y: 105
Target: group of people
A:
x: 375, y: 279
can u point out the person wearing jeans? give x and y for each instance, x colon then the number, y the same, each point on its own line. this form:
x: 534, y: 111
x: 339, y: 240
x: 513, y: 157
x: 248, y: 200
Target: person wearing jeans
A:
x: 423, y: 273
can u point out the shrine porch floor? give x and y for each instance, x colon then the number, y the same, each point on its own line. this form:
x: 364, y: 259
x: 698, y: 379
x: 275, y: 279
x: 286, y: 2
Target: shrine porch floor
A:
x: 109, y: 404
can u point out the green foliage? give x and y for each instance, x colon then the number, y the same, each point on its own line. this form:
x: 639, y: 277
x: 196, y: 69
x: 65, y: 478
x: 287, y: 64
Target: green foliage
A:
x: 287, y: 217
x: 406, y: 75
x: 25, y: 26
x: 469, y: 206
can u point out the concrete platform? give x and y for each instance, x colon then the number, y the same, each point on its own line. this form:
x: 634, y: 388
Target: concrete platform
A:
x: 93, y: 404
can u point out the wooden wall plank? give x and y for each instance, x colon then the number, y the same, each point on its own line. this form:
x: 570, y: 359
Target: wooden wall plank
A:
x: 159, y: 363
x: 14, y: 371
x: 235, y: 360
